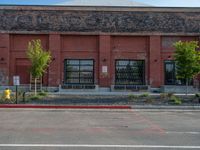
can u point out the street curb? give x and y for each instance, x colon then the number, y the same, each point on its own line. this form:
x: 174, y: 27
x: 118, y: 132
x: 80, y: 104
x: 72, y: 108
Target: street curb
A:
x: 167, y: 107
x: 64, y: 106
x: 98, y: 107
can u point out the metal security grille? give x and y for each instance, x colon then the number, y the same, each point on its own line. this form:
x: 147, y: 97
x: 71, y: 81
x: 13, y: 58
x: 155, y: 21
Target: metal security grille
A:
x: 129, y: 72
x: 79, y: 71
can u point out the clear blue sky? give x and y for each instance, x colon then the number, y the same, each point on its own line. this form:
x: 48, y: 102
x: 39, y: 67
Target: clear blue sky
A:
x: 170, y: 3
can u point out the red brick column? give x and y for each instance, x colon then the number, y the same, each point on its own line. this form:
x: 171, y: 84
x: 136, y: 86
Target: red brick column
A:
x: 54, y: 74
x: 155, y: 61
x: 5, y: 59
x: 104, y: 61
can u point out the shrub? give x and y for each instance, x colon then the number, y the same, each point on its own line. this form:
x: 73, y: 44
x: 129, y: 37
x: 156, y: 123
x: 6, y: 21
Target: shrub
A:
x: 197, y: 95
x: 42, y: 93
x: 34, y: 97
x: 175, y: 100
x: 132, y: 97
x: 38, y: 96
x: 149, y: 100
x: 163, y: 95
x: 12, y: 99
x: 170, y: 94
x: 144, y: 95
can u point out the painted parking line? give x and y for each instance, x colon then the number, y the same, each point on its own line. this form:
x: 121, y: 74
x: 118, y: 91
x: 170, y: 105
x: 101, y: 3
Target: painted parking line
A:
x: 99, y: 146
x: 179, y: 132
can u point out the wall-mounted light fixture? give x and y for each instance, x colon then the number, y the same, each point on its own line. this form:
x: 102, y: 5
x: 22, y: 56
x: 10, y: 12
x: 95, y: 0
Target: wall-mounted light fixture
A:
x: 104, y: 60
x: 2, y: 59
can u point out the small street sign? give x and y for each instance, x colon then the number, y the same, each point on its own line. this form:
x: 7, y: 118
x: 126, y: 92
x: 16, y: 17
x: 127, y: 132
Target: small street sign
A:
x: 16, y: 80
x: 104, y: 69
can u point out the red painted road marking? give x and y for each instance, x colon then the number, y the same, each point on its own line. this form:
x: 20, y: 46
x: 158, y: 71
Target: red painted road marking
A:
x: 64, y: 106
x: 153, y: 127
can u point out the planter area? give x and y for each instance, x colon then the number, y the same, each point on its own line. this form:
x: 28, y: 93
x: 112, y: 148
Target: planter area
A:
x: 165, y: 99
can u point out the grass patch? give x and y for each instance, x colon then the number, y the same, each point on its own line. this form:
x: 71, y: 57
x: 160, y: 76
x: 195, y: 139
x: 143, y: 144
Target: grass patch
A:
x: 39, y: 96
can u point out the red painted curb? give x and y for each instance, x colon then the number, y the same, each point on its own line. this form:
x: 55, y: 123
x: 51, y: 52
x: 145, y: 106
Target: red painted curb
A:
x: 64, y: 107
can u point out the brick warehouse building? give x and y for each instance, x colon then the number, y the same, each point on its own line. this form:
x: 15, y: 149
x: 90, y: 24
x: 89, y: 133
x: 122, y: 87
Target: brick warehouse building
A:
x: 120, y: 47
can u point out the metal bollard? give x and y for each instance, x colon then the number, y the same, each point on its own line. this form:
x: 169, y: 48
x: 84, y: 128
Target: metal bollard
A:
x: 24, y: 94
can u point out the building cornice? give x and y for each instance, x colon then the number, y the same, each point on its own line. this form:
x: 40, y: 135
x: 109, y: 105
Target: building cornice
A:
x: 99, y: 8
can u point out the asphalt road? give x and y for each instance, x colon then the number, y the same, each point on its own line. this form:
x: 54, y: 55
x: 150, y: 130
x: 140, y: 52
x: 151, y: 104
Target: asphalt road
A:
x: 98, y: 129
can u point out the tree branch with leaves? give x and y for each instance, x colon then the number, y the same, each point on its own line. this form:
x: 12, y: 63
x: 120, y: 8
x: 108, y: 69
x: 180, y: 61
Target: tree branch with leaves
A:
x: 40, y: 59
x: 187, y: 60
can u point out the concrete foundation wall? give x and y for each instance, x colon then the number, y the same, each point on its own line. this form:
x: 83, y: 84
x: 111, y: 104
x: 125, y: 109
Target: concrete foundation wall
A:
x: 178, y: 89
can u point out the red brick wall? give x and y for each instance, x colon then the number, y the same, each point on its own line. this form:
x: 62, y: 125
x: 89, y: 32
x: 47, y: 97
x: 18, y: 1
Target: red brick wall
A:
x: 19, y: 63
x: 79, y: 47
x: 54, y: 70
x: 4, y: 59
x: 129, y: 47
x: 105, y: 61
x: 155, y: 61
x: 104, y: 49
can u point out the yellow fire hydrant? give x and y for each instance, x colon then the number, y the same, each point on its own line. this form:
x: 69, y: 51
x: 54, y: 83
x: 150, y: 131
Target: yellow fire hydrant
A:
x: 7, y: 93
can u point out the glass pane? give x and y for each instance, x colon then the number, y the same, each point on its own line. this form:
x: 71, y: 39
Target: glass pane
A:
x: 86, y: 80
x: 170, y: 73
x: 122, y: 62
x: 86, y: 74
x: 72, y: 80
x: 86, y: 68
x: 73, y: 62
x: 120, y: 69
x: 72, y: 75
x: 72, y: 68
x: 86, y: 62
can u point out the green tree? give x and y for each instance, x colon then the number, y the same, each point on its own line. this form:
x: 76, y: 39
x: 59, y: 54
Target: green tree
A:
x: 39, y: 58
x: 187, y: 60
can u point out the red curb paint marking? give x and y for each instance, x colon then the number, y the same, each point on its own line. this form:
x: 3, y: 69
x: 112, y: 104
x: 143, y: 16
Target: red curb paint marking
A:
x: 63, y: 107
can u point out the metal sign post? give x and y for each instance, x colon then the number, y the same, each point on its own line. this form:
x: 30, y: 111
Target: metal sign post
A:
x: 16, y: 82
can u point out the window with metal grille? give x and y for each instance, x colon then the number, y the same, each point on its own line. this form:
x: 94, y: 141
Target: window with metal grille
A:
x: 170, y: 74
x: 79, y: 71
x: 129, y: 72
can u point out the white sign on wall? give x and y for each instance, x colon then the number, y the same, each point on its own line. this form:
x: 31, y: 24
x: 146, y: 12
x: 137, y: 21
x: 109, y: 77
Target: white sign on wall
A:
x: 16, y: 80
x: 104, y: 69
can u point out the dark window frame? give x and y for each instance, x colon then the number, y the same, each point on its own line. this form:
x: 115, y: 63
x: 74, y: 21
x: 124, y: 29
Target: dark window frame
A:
x: 171, y: 62
x: 129, y: 60
x: 79, y: 72
x: 181, y: 82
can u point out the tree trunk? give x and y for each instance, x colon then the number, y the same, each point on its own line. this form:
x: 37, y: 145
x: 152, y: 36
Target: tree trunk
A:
x: 35, y: 86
